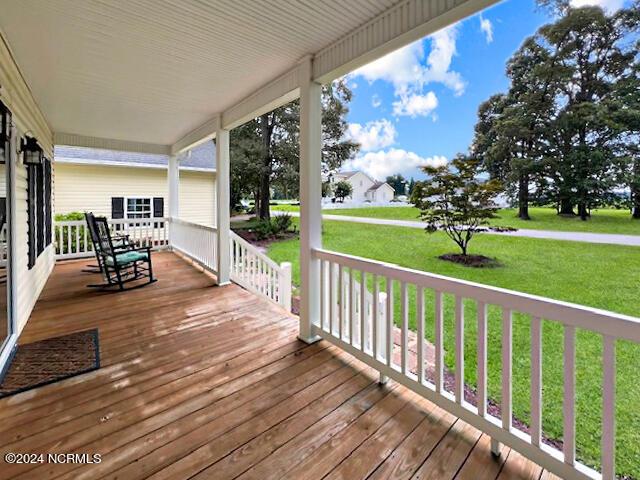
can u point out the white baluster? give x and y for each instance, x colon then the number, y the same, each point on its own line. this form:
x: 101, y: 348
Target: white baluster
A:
x: 404, y: 312
x: 609, y: 408
x: 507, y: 339
x: 420, y: 333
x: 536, y: 381
x: 569, y: 402
x: 459, y: 346
x: 439, y: 333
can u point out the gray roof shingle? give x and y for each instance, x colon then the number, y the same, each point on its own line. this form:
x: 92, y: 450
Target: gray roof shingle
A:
x: 202, y: 156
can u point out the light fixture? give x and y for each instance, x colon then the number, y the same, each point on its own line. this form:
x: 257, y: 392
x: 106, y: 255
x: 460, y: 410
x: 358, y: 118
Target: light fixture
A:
x: 5, y: 132
x: 31, y: 151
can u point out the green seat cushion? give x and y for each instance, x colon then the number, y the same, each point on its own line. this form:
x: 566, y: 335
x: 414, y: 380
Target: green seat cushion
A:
x: 127, y: 257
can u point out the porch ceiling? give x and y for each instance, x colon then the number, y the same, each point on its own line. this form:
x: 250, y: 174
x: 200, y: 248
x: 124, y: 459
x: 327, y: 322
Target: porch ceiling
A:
x: 149, y: 71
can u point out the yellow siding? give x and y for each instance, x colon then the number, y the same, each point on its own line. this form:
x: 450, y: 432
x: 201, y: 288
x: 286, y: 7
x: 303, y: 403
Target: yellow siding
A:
x: 88, y: 187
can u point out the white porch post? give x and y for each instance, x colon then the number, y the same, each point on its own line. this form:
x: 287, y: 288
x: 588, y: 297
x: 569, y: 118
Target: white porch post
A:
x: 173, y: 179
x: 310, y: 199
x: 222, y: 204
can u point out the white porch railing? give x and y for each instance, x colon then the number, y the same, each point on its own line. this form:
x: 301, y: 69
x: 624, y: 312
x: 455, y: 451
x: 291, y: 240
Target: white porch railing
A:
x: 72, y: 238
x: 346, y: 318
x: 250, y: 268
x: 198, y: 242
x: 256, y: 272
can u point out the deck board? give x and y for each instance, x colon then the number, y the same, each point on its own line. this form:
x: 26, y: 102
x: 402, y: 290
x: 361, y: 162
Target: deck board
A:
x: 207, y: 382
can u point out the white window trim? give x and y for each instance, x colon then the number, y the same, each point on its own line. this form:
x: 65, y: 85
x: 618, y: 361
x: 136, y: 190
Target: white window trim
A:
x: 126, y: 207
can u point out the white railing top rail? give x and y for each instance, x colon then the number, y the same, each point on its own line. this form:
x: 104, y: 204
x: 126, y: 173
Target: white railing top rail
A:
x: 200, y: 226
x: 597, y: 320
x: 113, y: 221
x: 237, y: 238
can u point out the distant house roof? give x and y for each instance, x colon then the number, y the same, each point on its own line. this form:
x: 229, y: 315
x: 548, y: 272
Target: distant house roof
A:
x: 347, y: 174
x: 377, y: 185
x: 200, y: 158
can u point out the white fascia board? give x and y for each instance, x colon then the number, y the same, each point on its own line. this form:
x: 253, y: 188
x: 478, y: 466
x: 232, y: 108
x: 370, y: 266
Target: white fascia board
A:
x: 107, y: 163
x: 73, y: 140
x: 402, y: 24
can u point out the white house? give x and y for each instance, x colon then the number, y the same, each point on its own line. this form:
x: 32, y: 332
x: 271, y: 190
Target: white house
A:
x: 365, y: 188
x: 134, y: 185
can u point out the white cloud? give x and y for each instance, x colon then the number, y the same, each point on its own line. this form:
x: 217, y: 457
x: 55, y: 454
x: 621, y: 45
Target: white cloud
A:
x: 410, y: 70
x: 376, y: 101
x: 374, y: 135
x: 608, y: 6
x: 487, y: 28
x: 443, y: 48
x: 415, y: 105
x: 401, y: 68
x: 383, y: 163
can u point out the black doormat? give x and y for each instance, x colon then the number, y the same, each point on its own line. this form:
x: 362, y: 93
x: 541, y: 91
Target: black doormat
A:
x: 51, y: 360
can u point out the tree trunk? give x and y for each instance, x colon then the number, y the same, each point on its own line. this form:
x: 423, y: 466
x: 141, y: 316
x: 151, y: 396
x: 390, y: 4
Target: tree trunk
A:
x: 583, y: 211
x: 265, y: 172
x: 523, y: 197
x: 566, y: 206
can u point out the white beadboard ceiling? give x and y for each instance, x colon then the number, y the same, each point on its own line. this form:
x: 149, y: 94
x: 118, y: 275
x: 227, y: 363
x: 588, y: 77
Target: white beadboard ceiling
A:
x: 150, y: 70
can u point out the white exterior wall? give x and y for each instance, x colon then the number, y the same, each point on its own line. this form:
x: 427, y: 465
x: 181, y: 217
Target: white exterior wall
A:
x: 80, y: 188
x: 360, y: 183
x: 383, y: 194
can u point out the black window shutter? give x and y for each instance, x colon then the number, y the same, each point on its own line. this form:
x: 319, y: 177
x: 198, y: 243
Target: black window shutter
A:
x: 31, y: 215
x: 47, y: 203
x: 158, y: 207
x: 40, y: 203
x: 117, y: 207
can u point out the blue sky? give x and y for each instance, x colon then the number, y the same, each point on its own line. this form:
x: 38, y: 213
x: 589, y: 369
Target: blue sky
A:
x: 418, y: 104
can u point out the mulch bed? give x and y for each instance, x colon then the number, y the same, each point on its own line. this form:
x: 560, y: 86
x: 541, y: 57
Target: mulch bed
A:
x: 263, y: 243
x: 474, y: 261
x: 51, y: 360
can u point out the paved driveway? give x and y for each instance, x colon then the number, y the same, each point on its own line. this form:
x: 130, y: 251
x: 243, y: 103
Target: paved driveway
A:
x: 610, y: 238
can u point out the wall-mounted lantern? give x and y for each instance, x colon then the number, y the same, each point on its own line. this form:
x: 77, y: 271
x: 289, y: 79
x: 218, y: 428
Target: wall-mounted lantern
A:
x: 31, y: 151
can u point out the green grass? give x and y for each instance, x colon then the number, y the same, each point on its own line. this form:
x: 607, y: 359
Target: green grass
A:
x: 603, y: 276
x: 601, y: 221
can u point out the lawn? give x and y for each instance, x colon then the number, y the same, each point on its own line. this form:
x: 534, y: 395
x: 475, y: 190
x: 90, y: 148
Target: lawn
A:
x: 602, y: 221
x: 603, y: 276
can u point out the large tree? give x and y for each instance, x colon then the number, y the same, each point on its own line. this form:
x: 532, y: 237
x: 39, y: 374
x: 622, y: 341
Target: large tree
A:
x: 265, y: 152
x: 560, y: 126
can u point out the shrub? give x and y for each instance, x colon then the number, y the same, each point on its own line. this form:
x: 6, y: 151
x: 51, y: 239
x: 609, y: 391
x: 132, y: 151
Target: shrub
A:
x: 71, y: 246
x: 263, y: 229
x: 281, y: 223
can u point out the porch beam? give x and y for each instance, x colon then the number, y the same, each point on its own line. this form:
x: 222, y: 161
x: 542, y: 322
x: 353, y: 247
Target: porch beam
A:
x: 310, y: 199
x: 398, y: 26
x: 222, y: 205
x: 73, y: 140
x: 273, y: 94
x: 203, y: 133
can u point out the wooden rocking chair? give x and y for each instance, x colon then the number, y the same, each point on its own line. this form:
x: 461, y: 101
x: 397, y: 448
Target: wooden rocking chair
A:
x: 120, y: 242
x: 120, y: 266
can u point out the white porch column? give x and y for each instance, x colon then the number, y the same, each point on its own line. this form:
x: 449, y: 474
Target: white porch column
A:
x: 222, y: 204
x: 310, y: 199
x: 173, y: 180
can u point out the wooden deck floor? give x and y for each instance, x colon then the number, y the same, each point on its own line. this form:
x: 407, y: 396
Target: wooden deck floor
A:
x: 205, y: 382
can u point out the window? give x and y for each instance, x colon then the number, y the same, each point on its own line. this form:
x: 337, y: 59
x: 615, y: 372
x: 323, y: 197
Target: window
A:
x: 38, y: 209
x: 138, y: 208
